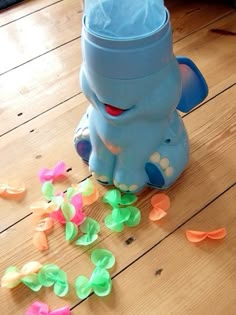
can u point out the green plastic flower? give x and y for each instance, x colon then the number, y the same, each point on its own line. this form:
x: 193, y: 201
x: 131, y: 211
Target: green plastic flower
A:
x: 100, y: 281
x: 90, y: 228
x: 51, y: 275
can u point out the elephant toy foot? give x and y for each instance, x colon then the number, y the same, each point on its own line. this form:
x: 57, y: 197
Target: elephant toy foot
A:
x: 167, y: 164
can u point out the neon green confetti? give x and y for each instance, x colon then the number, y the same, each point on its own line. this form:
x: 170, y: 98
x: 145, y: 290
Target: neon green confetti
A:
x: 47, y: 190
x: 71, y: 231
x: 68, y: 210
x: 32, y: 282
x: 103, y: 258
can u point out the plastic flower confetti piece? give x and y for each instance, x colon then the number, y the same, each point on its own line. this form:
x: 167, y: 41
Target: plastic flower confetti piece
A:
x: 101, y: 282
x: 86, y: 187
x: 112, y: 197
x: 47, y: 190
x: 3, y: 188
x: 32, y: 282
x: 79, y: 216
x: 46, y: 174
x: 11, y: 278
x: 157, y: 214
x: 217, y: 234
x: 58, y: 216
x: 15, y: 187
x: 68, y: 210
x: 12, y: 189
x: 134, y: 218
x: 48, y: 274
x: 88, y: 190
x: 41, y: 208
x: 103, y: 258
x: 120, y: 215
x: 39, y: 308
x: 86, y: 239
x: 51, y: 274
x: 161, y: 201
x: 61, y: 288
x: 71, y: 191
x: 57, y: 200
x: 198, y: 236
x: 82, y: 287
x: 128, y: 199
x: 71, y: 231
x: 91, y: 228
x: 40, y: 241
x: 61, y: 311
x: 44, y: 225
x: 31, y: 267
x: 112, y: 225
x: 90, y: 199
x: 77, y: 201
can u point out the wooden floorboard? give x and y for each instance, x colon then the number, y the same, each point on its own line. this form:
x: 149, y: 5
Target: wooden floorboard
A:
x: 212, y: 156
x: 194, y: 279
x: 60, y: 23
x: 53, y: 78
x: 22, y: 9
x: 41, y: 104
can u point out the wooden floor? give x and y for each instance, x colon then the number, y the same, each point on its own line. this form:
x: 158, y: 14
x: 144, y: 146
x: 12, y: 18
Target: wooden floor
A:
x: 40, y: 105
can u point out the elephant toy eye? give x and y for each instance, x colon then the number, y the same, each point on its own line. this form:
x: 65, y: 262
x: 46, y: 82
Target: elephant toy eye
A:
x: 112, y: 110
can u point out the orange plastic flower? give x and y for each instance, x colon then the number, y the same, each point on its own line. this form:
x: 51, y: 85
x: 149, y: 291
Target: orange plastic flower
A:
x: 198, y: 236
x: 90, y: 199
x: 44, y: 225
x: 40, y: 241
x: 13, y: 189
x: 160, y: 203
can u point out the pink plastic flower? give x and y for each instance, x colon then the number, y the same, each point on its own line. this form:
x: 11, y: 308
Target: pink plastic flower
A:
x: 77, y: 204
x: 58, y: 216
x: 79, y: 216
x: 39, y: 308
x: 46, y: 174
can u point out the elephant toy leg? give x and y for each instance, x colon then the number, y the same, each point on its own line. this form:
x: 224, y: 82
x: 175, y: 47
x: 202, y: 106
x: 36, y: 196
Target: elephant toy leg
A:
x: 170, y: 159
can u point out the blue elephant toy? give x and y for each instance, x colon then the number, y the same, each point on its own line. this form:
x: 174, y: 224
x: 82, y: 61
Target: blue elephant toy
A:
x: 132, y: 134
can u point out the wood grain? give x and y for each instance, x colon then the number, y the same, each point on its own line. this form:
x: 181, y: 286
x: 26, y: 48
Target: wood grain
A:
x: 50, y: 80
x: 40, y: 143
x: 195, y: 279
x: 24, y: 8
x: 56, y: 25
x: 212, y: 158
x: 159, y: 271
x: 39, y: 33
x: 203, y: 49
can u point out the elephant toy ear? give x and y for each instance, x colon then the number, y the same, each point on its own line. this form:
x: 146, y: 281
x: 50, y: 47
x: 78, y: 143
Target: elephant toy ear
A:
x: 194, y: 86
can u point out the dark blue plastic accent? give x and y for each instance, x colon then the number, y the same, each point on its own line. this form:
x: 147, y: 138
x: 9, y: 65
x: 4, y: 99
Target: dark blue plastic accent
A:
x: 194, y: 86
x: 84, y: 149
x: 154, y: 174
